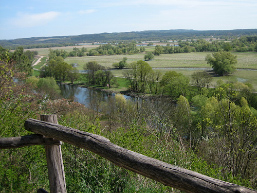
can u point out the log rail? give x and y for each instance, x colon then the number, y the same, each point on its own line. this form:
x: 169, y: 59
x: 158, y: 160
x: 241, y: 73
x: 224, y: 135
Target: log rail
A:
x: 167, y: 174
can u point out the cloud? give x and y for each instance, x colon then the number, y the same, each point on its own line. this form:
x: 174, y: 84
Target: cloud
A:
x: 31, y: 20
x: 88, y: 11
x: 186, y: 3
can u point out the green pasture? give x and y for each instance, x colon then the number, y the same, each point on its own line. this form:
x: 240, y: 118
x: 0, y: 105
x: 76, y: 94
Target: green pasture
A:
x: 192, y: 60
x: 246, y: 60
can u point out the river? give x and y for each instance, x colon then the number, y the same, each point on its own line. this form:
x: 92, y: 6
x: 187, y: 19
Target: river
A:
x: 86, y: 96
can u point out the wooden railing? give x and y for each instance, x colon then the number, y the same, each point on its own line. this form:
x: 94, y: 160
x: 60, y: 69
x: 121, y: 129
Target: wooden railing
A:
x: 167, y: 174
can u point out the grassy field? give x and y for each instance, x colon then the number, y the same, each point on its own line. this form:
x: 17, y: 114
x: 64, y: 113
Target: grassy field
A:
x: 191, y: 60
x: 194, y: 59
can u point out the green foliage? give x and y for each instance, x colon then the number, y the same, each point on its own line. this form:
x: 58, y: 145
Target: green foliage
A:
x: 158, y: 50
x: 22, y: 61
x: 121, y: 48
x: 123, y: 63
x: 32, y: 81
x: 139, y: 76
x: 98, y: 75
x: 49, y: 87
x: 223, y: 63
x: 60, y: 70
x: 149, y: 56
x: 175, y: 84
x: 201, y: 79
x: 64, y: 54
x: 234, y: 129
x: 73, y: 75
x: 18, y: 170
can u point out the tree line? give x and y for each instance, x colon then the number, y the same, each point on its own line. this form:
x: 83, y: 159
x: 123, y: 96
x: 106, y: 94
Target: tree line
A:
x: 64, y: 54
x: 117, y: 49
x: 243, y: 44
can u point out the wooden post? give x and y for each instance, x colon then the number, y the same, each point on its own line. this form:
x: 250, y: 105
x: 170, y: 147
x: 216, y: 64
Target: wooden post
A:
x: 54, y: 161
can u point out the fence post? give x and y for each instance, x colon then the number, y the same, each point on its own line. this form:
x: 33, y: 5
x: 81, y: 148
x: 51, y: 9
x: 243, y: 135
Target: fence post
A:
x: 54, y: 161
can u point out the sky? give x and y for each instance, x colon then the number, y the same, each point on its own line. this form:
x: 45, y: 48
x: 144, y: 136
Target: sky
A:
x: 47, y: 18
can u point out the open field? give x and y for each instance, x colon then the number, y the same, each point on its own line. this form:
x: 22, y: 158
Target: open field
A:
x: 191, y: 60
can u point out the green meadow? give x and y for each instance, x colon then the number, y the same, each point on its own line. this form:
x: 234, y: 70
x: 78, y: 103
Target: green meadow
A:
x: 186, y: 60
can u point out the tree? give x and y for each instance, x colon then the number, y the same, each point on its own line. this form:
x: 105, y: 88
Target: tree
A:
x: 97, y: 74
x: 23, y: 61
x: 62, y: 71
x: 227, y: 47
x: 234, y: 135
x: 73, y: 75
x: 121, y: 64
x: 174, y: 84
x: 223, y: 63
x: 57, y: 68
x: 103, y: 77
x: 201, y: 79
x: 49, y: 87
x: 158, y: 50
x: 138, y: 76
x: 149, y: 56
x: 154, y: 83
x: 183, y: 118
x: 92, y: 67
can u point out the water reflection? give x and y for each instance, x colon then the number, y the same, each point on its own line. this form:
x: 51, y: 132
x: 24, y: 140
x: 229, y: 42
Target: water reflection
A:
x: 84, y: 95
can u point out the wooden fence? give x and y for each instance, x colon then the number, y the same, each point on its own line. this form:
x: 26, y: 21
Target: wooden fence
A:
x: 49, y: 133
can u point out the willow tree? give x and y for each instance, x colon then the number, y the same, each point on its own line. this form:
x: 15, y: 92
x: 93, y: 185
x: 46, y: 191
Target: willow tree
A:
x: 223, y: 63
x: 139, y: 75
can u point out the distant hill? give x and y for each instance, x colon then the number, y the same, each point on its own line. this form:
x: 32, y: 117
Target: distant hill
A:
x: 161, y: 35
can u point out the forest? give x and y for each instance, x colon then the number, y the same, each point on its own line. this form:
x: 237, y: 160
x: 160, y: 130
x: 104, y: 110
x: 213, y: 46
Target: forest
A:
x: 180, y: 120
x: 151, y: 35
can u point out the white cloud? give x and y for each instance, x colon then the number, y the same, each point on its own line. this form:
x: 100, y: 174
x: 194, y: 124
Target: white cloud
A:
x: 187, y: 3
x: 31, y: 20
x: 88, y: 11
